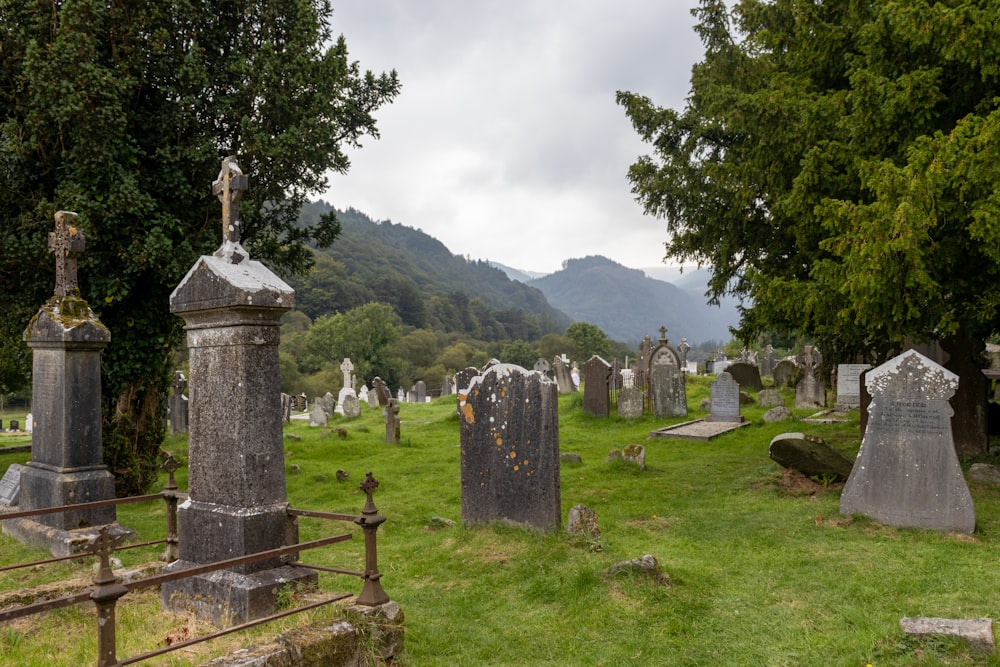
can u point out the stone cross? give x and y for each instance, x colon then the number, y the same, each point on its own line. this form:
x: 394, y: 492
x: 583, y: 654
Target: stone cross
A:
x: 65, y: 242
x: 683, y: 350
x: 229, y: 188
x: 347, y: 367
x: 663, y: 335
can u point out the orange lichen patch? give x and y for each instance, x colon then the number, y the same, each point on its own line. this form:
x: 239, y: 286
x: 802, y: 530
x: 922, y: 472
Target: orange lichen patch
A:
x: 516, y: 468
x: 468, y: 413
x: 524, y: 462
x: 512, y: 455
x: 499, y: 441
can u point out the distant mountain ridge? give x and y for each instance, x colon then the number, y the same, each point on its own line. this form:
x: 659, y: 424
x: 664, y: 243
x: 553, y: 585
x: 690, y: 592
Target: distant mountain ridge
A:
x: 627, y: 304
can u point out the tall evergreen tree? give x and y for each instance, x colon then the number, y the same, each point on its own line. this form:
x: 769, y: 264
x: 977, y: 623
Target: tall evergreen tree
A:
x: 121, y: 112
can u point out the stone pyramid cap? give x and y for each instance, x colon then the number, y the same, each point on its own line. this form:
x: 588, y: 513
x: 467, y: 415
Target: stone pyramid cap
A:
x: 223, y: 281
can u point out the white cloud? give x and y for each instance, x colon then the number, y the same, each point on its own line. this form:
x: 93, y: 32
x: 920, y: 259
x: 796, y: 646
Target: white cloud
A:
x: 505, y: 142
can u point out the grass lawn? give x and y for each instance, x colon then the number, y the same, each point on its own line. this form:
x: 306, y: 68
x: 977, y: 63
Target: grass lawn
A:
x: 763, y: 572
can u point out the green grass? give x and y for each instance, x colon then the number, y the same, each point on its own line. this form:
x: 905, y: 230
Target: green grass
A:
x: 760, y: 575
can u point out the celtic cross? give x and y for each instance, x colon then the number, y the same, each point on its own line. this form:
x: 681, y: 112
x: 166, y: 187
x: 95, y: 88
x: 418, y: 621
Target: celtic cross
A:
x: 65, y: 242
x: 229, y: 188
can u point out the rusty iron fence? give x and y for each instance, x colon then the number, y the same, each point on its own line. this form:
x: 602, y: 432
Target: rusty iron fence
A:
x: 107, y: 590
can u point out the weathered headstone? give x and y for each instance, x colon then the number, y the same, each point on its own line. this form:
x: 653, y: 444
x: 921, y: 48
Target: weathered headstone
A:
x: 746, y: 375
x: 420, y: 389
x: 363, y: 394
x: 564, y: 379
x: 351, y: 406
x: 767, y: 362
x: 237, y: 503
x: 510, y: 449
x: 286, y: 409
x: 596, y: 400
x: 401, y: 395
x: 10, y: 484
x: 907, y: 472
x: 668, y: 396
x: 810, y: 455
x: 769, y: 398
x: 446, y: 387
x: 810, y: 392
x: 635, y: 454
x: 15, y: 425
x: 849, y: 385
x: 347, y: 387
x: 542, y: 366
x: 392, y: 421
x: 66, y: 467
x: 382, y: 394
x: 785, y: 373
x: 299, y: 403
x: 725, y: 399
x: 630, y: 402
x: 318, y: 415
x: 682, y: 352
x: 29, y: 423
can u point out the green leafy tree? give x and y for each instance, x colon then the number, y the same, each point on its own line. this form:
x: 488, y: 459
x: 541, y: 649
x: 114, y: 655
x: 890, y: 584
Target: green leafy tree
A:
x: 836, y: 163
x: 588, y: 340
x: 368, y: 335
x: 519, y: 352
x: 121, y: 111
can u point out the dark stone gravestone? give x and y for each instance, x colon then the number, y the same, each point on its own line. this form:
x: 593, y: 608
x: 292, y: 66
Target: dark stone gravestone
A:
x: 10, y: 484
x: 446, y: 385
x: 381, y: 391
x: 66, y: 466
x: 510, y: 449
x: 15, y: 425
x: 630, y: 402
x: 420, y: 390
x: 299, y: 403
x: 810, y: 392
x: 785, y: 373
x: 563, y: 378
x: 725, y: 399
x: 596, y: 400
x: 849, y: 385
x: 392, y: 421
x: 237, y: 503
x: 179, y: 404
x: 746, y: 375
x: 810, y: 455
x: 907, y: 472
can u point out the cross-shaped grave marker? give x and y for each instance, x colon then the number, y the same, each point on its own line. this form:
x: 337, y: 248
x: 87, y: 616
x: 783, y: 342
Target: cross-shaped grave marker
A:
x: 65, y: 242
x: 229, y: 188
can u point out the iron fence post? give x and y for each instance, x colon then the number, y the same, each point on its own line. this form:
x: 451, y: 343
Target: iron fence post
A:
x: 105, y: 595
x: 372, y: 593
x: 170, y: 552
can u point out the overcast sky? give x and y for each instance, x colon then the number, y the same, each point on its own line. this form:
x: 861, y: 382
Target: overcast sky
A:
x: 505, y: 142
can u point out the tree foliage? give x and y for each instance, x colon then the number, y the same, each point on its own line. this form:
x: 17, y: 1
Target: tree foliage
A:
x: 121, y: 112
x: 837, y: 163
x: 367, y: 335
x: 588, y: 340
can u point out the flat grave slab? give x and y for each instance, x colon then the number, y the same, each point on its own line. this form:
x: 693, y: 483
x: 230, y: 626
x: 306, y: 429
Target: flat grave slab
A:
x: 826, y: 417
x: 699, y: 429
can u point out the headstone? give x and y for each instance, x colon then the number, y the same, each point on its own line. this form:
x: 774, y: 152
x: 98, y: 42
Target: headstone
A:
x: 778, y: 413
x: 382, y: 394
x: 286, y: 409
x: 682, y: 352
x: 581, y: 520
x: 810, y: 455
x: 179, y: 404
x: 446, y: 385
x: 299, y: 403
x: 667, y: 391
x: 767, y: 362
x: 373, y: 398
x: 346, y: 367
x: 463, y: 377
x: 564, y: 379
x: 392, y: 421
x: 574, y: 375
x: 510, y: 449
x: 810, y: 392
x: 10, y: 485
x: 29, y: 423
x: 420, y: 389
x: 849, y: 385
x: 351, y: 406
x: 630, y: 403
x: 15, y: 425
x: 785, y: 373
x: 746, y: 375
x: 237, y: 502
x: 318, y: 416
x: 400, y: 395
x: 343, y: 395
x: 907, y: 472
x: 769, y: 398
x: 596, y: 400
x: 725, y: 399
x: 363, y: 394
x: 635, y: 454
x: 542, y: 366
x: 66, y: 466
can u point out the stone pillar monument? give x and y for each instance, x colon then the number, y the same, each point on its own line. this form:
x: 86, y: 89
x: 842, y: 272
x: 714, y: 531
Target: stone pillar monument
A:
x: 231, y: 307
x: 66, y: 340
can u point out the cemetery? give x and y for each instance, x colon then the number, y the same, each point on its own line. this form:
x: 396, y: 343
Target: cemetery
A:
x: 750, y: 560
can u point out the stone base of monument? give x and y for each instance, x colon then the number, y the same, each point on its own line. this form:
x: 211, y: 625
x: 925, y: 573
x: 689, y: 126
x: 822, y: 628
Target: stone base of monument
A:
x: 57, y: 541
x: 227, y: 598
x: 698, y: 429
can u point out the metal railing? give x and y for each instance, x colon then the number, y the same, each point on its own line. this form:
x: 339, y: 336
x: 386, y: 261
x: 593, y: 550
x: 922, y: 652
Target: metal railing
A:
x: 107, y: 590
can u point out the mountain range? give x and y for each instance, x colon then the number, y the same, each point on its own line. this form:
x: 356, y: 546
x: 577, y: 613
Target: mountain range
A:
x: 424, y: 281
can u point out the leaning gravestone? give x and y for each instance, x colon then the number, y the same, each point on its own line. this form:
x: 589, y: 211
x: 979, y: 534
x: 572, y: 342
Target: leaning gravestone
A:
x: 907, y: 472
x: 810, y: 455
x: 237, y: 503
x: 66, y: 467
x: 746, y: 375
x: 392, y: 421
x: 849, y: 385
x: 810, y: 392
x: 381, y: 391
x: 510, y: 449
x: 564, y: 379
x: 725, y: 399
x: 630, y: 403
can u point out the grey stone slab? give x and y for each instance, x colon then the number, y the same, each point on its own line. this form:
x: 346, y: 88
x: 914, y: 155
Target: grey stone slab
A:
x: 809, y: 455
x: 630, y: 402
x: 907, y: 472
x: 698, y: 429
x: 977, y: 632
x: 510, y: 449
x: 10, y: 484
x: 596, y: 399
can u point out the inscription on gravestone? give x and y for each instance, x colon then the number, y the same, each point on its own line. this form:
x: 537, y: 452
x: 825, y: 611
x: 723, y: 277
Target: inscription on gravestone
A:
x: 725, y: 399
x: 849, y: 385
x: 10, y: 485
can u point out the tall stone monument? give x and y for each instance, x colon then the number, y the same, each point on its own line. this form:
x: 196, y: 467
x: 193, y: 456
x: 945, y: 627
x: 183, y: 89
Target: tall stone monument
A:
x: 231, y: 306
x: 66, y: 339
x: 907, y: 472
x: 666, y: 390
x: 347, y: 368
x: 510, y: 448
